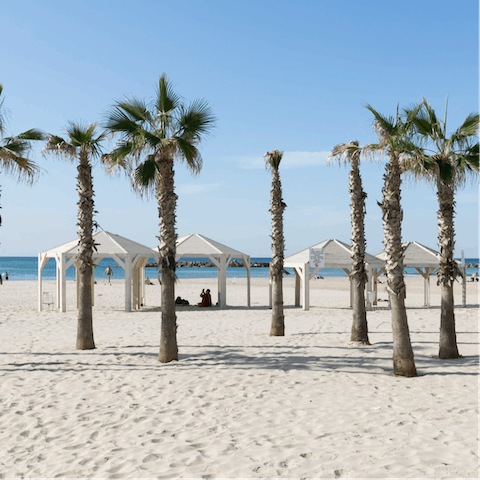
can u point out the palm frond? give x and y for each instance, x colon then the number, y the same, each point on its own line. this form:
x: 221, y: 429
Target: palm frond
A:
x: 467, y: 129
x: 14, y: 161
x: 2, y: 112
x: 153, y: 140
x: 196, y: 120
x: 144, y: 175
x: 341, y: 153
x: 83, y: 135
x: 119, y: 121
x: 136, y: 109
x: 58, y: 146
x: 166, y: 100
x: 273, y: 159
x: 32, y: 135
x: 446, y: 170
x: 116, y: 160
x: 384, y: 127
x: 188, y: 152
x: 427, y: 113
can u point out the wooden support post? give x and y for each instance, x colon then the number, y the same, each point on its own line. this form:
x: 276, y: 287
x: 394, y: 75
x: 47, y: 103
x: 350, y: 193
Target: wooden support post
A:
x: 135, y: 288
x: 40, y: 293
x: 306, y: 286
x: 58, y: 276
x: 246, y: 261
x: 128, y: 283
x: 222, y: 282
x: 427, y: 287
x: 63, y: 284
x: 297, y: 288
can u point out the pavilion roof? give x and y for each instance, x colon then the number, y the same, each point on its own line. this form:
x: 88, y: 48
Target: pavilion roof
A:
x: 337, y: 255
x: 106, y: 244
x: 196, y: 245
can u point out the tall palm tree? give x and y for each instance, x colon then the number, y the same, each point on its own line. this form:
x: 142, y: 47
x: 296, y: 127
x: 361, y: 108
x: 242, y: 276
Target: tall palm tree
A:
x: 277, y: 206
x: 448, y: 162
x: 14, y: 151
x: 350, y: 154
x: 393, y: 141
x: 82, y: 146
x: 152, y: 138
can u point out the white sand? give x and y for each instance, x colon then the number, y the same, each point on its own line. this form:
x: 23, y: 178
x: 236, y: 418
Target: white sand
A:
x: 238, y: 404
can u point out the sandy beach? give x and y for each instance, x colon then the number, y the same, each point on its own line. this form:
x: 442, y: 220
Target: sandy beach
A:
x: 238, y: 403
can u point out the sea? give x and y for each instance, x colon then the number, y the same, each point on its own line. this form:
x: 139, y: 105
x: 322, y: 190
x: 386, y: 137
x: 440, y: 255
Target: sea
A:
x: 26, y: 268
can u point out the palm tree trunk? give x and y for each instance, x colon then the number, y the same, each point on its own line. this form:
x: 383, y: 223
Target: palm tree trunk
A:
x: 278, y: 245
x: 403, y: 363
x: 85, y: 251
x: 167, y: 203
x: 447, y: 270
x: 359, y: 275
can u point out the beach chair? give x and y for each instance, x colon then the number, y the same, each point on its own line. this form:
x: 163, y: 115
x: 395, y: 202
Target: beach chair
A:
x: 47, y: 299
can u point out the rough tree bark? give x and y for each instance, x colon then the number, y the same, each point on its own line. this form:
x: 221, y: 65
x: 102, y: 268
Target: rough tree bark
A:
x: 359, y: 275
x: 403, y: 362
x: 278, y: 246
x: 167, y: 203
x: 85, y: 252
x: 447, y: 270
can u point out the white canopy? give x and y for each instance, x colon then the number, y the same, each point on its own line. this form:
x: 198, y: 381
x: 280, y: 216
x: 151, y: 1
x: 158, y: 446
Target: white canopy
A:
x: 337, y: 255
x: 129, y: 255
x: 196, y: 245
x: 423, y: 259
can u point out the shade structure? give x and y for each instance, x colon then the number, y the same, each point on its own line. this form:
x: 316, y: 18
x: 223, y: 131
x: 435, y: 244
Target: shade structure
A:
x: 129, y: 255
x: 195, y: 245
x: 424, y: 260
x: 337, y: 255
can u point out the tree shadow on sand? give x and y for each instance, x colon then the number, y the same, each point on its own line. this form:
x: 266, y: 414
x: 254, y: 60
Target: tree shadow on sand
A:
x: 371, y: 360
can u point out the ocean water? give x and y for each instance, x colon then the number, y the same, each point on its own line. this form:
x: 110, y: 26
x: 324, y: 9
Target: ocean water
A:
x: 26, y: 268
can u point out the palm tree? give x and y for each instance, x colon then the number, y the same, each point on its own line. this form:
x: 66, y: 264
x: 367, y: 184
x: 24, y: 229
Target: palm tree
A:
x: 448, y: 162
x: 393, y: 142
x: 272, y: 162
x: 152, y: 138
x: 83, y: 145
x: 14, y: 151
x: 350, y: 153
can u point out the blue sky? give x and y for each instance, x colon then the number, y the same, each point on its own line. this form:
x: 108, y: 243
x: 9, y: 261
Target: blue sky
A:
x: 278, y: 74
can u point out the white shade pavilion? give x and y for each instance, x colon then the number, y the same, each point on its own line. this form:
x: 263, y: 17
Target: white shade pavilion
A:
x: 129, y: 255
x: 423, y: 259
x: 337, y: 255
x: 198, y: 246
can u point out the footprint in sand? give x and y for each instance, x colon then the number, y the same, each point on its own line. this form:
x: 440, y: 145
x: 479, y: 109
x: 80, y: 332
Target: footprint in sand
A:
x: 151, y: 458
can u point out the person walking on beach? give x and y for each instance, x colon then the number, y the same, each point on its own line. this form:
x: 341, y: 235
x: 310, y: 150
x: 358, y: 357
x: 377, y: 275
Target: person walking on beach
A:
x: 6, y: 275
x: 108, y: 272
x: 1, y: 280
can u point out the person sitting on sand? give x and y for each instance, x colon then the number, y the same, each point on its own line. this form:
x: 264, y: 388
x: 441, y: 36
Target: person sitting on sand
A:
x: 206, y: 299
x: 181, y: 301
x: 148, y: 281
x: 108, y: 272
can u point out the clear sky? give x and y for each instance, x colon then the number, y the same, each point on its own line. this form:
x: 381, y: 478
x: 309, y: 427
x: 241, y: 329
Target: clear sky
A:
x: 291, y: 75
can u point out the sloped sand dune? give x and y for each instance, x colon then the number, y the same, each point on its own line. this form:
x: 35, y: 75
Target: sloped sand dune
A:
x: 238, y: 404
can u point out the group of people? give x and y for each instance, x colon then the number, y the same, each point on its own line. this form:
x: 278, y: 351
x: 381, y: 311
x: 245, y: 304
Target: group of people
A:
x: 206, y: 299
x: 205, y: 295
x: 1, y: 278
